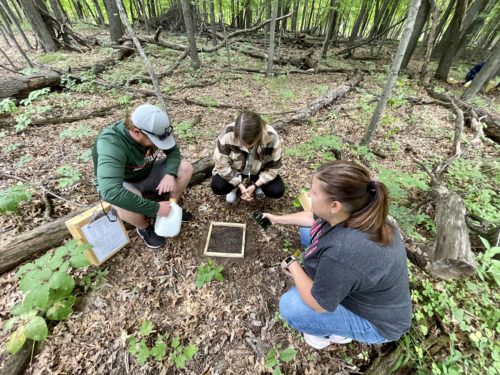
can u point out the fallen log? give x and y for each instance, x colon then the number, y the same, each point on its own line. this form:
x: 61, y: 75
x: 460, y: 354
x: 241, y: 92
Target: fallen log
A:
x: 450, y: 255
x: 65, y: 120
x: 17, y: 250
x: 19, y: 87
x: 14, y: 364
x: 47, y: 236
x: 492, y: 120
x: 303, y: 114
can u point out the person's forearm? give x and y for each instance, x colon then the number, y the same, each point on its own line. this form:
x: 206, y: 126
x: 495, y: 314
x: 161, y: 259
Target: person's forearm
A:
x: 303, y: 219
x: 304, y: 285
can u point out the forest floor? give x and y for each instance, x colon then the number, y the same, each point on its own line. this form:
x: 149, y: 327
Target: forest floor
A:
x: 234, y: 322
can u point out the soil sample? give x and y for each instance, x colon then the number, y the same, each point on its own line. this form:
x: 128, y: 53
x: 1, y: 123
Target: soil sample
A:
x: 226, y: 240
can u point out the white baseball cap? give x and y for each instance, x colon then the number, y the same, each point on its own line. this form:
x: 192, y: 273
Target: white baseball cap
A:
x: 155, y: 123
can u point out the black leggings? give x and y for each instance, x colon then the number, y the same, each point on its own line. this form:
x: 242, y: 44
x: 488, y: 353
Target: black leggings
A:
x: 273, y: 189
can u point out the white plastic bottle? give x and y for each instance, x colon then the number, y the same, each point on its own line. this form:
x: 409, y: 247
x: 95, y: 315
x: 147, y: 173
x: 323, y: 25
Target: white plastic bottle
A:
x: 170, y: 225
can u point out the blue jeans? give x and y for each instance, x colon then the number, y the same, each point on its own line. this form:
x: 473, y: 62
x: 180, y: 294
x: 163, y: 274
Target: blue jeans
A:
x: 341, y: 322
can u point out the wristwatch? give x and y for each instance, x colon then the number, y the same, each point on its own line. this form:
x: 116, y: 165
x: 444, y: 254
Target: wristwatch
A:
x: 254, y: 184
x: 289, y: 260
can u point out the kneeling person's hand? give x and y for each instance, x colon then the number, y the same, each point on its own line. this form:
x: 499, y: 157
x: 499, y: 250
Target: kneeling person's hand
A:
x: 166, y: 185
x: 164, y: 208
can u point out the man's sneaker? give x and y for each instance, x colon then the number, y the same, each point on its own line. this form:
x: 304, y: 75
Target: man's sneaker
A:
x: 187, y: 216
x: 259, y: 194
x: 151, y: 239
x: 231, y: 197
x: 318, y: 342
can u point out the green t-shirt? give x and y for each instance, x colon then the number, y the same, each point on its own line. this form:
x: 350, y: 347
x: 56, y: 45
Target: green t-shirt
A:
x: 118, y: 158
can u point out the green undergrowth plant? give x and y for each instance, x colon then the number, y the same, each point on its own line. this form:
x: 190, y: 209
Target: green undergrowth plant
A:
x: 68, y: 176
x: 151, y: 345
x: 47, y: 287
x: 406, y: 213
x: 11, y: 197
x: 467, y: 311
x: 93, y: 280
x: 477, y: 182
x: 318, y: 150
x: 85, y: 156
x: 77, y: 132
x: 207, y: 272
x: 185, y: 130
x: 28, y: 109
x: 275, y: 358
x: 85, y: 83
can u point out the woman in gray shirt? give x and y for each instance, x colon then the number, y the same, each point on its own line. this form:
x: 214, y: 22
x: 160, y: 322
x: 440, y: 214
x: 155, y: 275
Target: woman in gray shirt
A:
x: 353, y: 283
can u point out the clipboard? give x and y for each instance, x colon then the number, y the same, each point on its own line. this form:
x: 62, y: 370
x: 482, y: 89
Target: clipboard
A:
x: 106, y: 233
x: 305, y: 200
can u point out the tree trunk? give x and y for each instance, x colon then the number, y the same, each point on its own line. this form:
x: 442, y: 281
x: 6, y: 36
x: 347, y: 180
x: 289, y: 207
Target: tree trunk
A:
x: 44, y: 32
x: 453, y: 36
x: 452, y: 256
x: 56, y: 9
x: 295, y: 16
x: 14, y: 40
x: 115, y: 23
x: 212, y: 23
x: 436, y: 53
x: 8, y: 59
x: 331, y: 27
x: 410, y: 21
x: 488, y: 71
x: 16, y: 23
x: 359, y: 20
x: 47, y: 236
x: 430, y: 41
x: 100, y: 16
x: 304, y: 16
x: 248, y: 14
x: 4, y: 36
x: 422, y: 16
x: 78, y: 9
x: 270, y: 54
x: 190, y: 31
x: 308, y: 27
x: 481, y: 11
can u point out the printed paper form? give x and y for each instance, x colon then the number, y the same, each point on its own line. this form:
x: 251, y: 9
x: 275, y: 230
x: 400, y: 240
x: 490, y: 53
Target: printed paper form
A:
x: 105, y: 236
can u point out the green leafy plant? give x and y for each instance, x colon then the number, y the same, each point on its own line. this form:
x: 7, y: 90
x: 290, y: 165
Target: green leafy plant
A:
x: 275, y: 358
x: 181, y: 354
x: 477, y: 182
x: 467, y: 311
x: 77, y: 132
x: 208, y: 101
x: 185, y: 130
x: 93, y: 280
x: 207, y: 272
x: 25, y: 159
x: 47, y: 287
x: 319, y: 149
x: 69, y: 176
x: 124, y: 99
x: 7, y: 106
x: 11, y: 148
x: 141, y: 346
x: 11, y: 197
x: 24, y: 119
x: 85, y: 156
x: 406, y: 214
x: 34, y: 95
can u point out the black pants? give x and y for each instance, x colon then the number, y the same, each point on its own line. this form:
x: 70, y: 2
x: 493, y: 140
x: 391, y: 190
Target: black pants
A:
x: 273, y: 189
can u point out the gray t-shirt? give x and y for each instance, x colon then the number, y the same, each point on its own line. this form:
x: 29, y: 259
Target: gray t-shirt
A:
x: 368, y: 279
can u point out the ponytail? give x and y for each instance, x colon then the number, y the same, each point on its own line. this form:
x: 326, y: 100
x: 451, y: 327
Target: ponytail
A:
x: 364, y: 200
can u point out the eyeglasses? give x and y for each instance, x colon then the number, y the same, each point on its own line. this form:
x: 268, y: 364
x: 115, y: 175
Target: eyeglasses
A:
x: 161, y: 137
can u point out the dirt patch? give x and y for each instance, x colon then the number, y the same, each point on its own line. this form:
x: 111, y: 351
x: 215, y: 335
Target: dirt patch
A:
x: 225, y: 239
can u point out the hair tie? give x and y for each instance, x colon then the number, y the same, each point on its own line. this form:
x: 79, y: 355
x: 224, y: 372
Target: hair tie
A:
x: 372, y: 188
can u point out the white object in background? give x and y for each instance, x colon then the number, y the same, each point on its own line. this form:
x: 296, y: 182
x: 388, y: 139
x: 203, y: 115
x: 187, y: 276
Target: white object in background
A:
x: 170, y: 225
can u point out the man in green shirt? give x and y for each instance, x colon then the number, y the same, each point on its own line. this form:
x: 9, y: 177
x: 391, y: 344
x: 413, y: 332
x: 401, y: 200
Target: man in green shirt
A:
x: 125, y: 166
